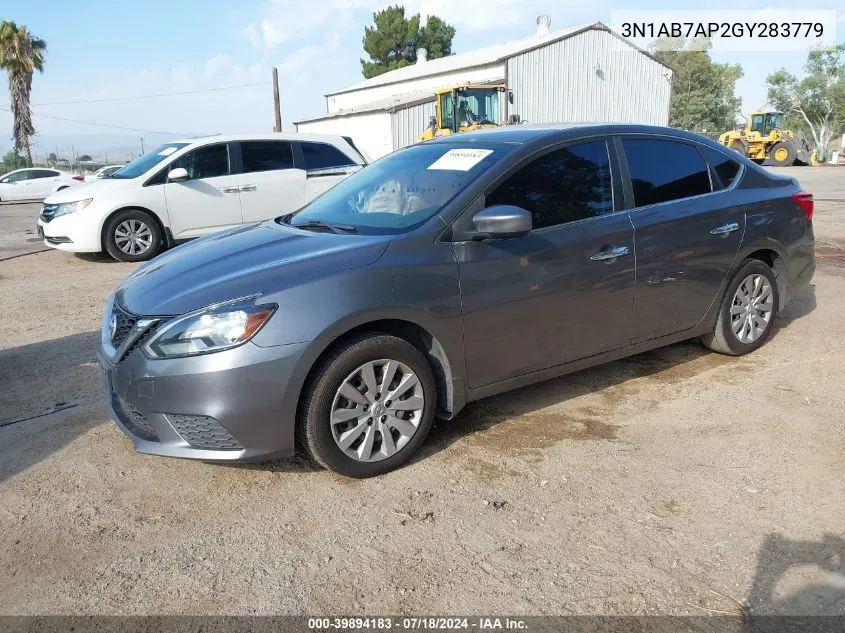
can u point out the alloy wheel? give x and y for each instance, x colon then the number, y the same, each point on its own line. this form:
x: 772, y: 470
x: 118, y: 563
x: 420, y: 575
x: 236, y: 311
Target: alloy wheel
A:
x: 752, y: 308
x: 377, y: 410
x: 133, y: 237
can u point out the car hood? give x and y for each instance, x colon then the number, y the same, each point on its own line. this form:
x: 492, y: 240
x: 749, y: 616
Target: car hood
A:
x: 89, y: 190
x: 252, y: 259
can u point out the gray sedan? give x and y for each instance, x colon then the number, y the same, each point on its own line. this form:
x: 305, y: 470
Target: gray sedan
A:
x: 444, y: 273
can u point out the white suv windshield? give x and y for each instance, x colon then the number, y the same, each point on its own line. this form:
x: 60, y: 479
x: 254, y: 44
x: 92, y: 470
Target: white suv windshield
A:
x: 145, y: 163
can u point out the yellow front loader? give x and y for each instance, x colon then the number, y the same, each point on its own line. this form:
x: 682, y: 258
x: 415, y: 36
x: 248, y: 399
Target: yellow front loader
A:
x: 464, y: 108
x: 763, y: 138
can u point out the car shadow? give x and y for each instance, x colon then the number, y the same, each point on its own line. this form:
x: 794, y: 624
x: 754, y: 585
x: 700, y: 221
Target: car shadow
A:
x: 799, y: 577
x: 97, y: 258
x: 680, y: 361
x: 50, y: 394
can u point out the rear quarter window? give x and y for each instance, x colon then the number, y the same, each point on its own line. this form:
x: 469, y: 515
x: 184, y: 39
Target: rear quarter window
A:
x: 723, y: 168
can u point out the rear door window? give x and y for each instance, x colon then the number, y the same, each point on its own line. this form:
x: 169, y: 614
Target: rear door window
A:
x: 266, y: 155
x: 664, y: 170
x: 324, y: 156
x: 44, y: 173
x: 724, y: 169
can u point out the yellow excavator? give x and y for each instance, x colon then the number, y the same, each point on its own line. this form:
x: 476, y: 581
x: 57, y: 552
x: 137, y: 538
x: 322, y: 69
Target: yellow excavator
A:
x: 465, y: 108
x: 763, y: 137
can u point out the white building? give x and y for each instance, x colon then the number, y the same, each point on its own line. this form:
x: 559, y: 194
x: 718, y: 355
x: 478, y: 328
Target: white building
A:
x: 587, y: 73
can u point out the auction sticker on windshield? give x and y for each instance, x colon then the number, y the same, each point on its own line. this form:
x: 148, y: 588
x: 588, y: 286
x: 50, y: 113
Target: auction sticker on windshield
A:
x: 167, y: 151
x: 460, y: 159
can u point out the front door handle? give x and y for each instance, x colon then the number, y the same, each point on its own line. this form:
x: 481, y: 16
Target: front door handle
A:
x: 611, y: 253
x: 230, y: 189
x: 249, y: 188
x: 725, y: 229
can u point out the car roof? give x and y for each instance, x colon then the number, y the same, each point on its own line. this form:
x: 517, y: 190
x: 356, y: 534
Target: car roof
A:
x: 14, y: 171
x: 265, y: 136
x: 526, y: 133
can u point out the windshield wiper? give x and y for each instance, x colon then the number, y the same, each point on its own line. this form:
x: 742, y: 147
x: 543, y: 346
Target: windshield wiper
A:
x: 319, y: 224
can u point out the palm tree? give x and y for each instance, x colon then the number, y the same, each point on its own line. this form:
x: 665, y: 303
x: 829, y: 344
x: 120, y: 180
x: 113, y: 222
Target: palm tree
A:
x: 21, y: 55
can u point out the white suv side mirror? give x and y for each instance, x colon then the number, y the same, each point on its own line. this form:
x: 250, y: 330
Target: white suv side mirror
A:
x: 177, y: 175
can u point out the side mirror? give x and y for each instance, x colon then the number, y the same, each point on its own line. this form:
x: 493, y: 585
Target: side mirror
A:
x: 177, y: 175
x: 502, y: 220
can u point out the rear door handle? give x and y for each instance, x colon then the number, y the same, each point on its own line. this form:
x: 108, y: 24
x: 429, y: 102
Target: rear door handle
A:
x: 725, y: 229
x: 611, y: 253
x: 249, y: 188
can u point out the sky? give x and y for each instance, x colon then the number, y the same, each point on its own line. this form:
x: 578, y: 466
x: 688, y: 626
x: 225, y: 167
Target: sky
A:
x: 109, y: 50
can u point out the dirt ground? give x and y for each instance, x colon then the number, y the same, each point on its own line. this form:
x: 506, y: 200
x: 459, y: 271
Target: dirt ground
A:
x: 674, y: 482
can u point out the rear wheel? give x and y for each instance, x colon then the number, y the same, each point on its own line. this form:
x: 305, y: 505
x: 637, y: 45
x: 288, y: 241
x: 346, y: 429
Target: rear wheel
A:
x: 132, y: 236
x: 747, y: 313
x: 368, y: 407
x: 782, y: 154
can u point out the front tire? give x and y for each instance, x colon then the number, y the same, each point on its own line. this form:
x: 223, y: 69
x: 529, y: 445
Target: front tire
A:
x: 368, y: 407
x: 132, y: 236
x: 747, y: 312
x: 782, y: 154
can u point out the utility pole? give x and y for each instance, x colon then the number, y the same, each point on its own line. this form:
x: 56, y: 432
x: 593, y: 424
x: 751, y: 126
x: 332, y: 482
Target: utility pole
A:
x: 142, y: 145
x: 276, y: 107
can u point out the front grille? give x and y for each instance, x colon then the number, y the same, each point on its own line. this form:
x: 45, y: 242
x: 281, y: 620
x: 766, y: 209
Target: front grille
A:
x: 48, y: 211
x: 203, y: 432
x: 125, y: 324
x: 134, y: 421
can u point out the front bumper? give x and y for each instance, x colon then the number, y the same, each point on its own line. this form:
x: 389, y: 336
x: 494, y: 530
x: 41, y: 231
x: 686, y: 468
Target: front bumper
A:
x: 80, y: 228
x: 232, y: 406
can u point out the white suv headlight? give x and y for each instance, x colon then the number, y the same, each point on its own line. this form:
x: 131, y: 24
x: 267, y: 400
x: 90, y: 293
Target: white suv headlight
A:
x: 212, y: 329
x: 71, y: 207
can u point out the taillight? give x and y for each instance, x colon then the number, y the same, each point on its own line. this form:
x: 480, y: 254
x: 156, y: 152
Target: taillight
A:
x: 82, y: 179
x: 805, y: 201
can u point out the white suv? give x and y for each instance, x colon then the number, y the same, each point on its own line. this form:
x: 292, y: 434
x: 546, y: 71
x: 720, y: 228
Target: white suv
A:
x: 190, y: 188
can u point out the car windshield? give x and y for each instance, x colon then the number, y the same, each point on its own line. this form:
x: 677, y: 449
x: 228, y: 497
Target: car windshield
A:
x: 145, y: 163
x: 402, y: 190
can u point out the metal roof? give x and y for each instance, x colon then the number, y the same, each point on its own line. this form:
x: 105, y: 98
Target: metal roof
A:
x: 388, y: 104
x: 477, y: 57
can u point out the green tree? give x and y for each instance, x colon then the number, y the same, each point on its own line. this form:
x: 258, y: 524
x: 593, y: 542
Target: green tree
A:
x: 12, y: 160
x: 85, y: 158
x: 393, y: 40
x: 21, y: 55
x: 703, y: 97
x: 818, y: 98
x: 52, y: 159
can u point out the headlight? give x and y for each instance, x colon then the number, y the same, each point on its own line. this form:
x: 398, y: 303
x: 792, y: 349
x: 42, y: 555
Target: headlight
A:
x: 212, y: 329
x: 70, y: 207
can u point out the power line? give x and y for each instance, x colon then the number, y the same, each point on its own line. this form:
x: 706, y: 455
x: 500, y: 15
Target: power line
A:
x: 153, y: 96
x: 116, y: 127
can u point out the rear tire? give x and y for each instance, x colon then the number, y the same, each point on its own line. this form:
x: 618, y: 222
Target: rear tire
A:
x: 132, y: 236
x: 349, y: 435
x: 782, y: 154
x: 744, y: 326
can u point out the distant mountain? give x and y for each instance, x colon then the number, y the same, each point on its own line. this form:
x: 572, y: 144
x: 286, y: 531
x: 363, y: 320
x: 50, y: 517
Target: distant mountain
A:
x: 111, y: 148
